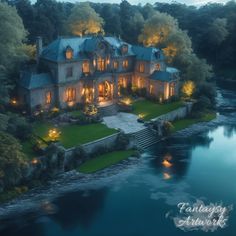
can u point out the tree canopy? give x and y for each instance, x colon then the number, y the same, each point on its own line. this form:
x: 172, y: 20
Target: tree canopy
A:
x: 84, y: 20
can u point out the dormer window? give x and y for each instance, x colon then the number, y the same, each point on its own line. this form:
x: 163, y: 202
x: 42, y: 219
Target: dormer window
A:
x: 69, y: 53
x: 124, y: 49
x: 158, y: 67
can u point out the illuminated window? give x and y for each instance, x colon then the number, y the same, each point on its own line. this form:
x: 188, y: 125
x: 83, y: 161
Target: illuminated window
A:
x: 158, y: 66
x: 69, y: 72
x: 115, y: 65
x: 48, y: 97
x: 69, y: 53
x: 100, y: 64
x: 141, y: 67
x: 125, y: 64
x: 85, y: 67
x: 151, y: 89
x: 70, y: 94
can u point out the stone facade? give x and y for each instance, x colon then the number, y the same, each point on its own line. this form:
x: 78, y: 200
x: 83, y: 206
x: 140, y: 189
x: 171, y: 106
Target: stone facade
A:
x: 93, y: 70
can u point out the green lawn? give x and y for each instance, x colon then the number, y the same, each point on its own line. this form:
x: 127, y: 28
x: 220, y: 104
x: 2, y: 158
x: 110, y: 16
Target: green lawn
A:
x: 104, y: 161
x: 76, y: 113
x: 74, y: 135
x: 184, y: 123
x: 151, y: 110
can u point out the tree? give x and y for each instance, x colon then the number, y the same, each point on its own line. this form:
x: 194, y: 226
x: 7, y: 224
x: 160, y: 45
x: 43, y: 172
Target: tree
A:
x: 11, y: 161
x: 84, y: 20
x: 188, y: 88
x: 12, y: 35
x: 162, y: 30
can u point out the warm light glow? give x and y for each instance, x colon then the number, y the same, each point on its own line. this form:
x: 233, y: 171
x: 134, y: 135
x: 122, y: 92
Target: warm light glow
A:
x: 13, y: 101
x: 91, y: 110
x: 34, y: 161
x: 69, y: 54
x: 188, y: 88
x: 166, y: 162
x: 166, y: 176
x: 85, y: 67
x: 170, y: 52
x: 126, y: 101
x: 54, y: 134
x: 71, y: 104
x: 141, y: 115
x: 55, y: 109
x: 125, y: 64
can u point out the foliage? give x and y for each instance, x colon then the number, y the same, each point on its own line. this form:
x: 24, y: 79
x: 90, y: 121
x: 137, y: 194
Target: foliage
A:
x: 166, y: 128
x: 122, y: 142
x: 11, y: 161
x: 188, y: 88
x: 84, y: 20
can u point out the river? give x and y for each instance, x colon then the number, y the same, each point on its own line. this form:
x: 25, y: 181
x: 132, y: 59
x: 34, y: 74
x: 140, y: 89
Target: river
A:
x: 137, y: 196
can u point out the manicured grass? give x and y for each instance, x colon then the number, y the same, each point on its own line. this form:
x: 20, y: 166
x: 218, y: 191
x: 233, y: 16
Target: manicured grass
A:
x: 74, y: 135
x: 184, y: 123
x: 104, y: 161
x: 151, y: 110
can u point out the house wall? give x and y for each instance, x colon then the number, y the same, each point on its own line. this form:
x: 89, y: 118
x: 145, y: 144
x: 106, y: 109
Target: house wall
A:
x: 38, y: 97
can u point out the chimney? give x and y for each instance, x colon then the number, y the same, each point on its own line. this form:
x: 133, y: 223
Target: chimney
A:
x: 39, y: 48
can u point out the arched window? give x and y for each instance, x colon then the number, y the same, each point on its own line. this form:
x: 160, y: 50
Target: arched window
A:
x: 70, y: 94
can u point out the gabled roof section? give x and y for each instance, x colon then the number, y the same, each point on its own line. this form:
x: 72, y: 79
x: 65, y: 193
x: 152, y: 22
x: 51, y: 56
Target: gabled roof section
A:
x: 29, y: 80
x: 164, y: 76
x: 56, y: 50
x: 148, y: 53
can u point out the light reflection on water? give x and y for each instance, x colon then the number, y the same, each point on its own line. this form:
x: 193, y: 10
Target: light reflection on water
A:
x: 133, y: 197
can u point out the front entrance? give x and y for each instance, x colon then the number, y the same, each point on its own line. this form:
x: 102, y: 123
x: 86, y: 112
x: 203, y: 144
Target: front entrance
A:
x: 105, y: 91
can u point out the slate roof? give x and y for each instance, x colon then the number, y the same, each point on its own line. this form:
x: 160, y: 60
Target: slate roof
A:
x: 148, y: 53
x: 164, y: 76
x: 56, y: 50
x: 29, y: 80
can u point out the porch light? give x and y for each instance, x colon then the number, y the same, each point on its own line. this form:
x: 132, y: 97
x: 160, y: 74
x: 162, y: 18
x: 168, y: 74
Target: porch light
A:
x: 13, y: 101
x: 34, y: 161
x: 166, y: 176
x: 54, y: 134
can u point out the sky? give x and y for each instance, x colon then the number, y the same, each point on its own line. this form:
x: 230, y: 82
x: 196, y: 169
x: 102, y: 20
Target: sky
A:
x: 188, y: 2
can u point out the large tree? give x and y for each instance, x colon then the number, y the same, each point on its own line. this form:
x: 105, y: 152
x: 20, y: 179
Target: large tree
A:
x: 12, y: 35
x: 162, y: 30
x: 84, y: 20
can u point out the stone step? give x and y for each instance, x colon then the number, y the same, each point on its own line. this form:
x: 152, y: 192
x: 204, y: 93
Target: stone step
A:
x: 145, y: 138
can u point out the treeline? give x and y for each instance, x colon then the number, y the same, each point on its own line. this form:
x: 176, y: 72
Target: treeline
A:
x: 212, y: 28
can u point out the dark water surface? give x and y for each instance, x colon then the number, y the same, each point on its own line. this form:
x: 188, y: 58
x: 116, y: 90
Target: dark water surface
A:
x: 134, y: 197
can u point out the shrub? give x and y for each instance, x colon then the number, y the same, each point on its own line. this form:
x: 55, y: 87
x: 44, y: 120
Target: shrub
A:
x: 122, y: 141
x: 166, y: 128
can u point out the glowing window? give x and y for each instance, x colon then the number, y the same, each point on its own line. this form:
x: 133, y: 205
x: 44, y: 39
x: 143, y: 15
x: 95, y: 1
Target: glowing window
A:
x: 48, y: 97
x: 115, y: 65
x: 158, y: 66
x: 125, y: 64
x: 69, y: 53
x: 141, y: 67
x: 70, y: 94
x: 100, y: 64
x: 85, y: 67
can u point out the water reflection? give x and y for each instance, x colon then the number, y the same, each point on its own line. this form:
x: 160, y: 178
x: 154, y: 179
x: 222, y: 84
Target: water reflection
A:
x: 81, y: 208
x: 229, y: 131
x: 172, y: 156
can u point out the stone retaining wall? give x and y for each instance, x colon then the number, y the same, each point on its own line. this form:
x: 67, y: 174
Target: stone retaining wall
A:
x: 90, y: 147
x: 179, y: 113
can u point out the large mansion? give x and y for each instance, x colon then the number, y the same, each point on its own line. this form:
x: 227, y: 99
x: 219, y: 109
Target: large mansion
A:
x: 93, y: 70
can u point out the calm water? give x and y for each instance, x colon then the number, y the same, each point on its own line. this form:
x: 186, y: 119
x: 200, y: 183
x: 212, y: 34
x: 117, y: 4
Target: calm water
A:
x: 134, y: 197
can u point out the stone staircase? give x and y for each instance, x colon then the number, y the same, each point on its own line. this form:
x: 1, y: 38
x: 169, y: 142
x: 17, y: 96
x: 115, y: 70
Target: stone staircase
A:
x: 110, y: 110
x: 145, y: 138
